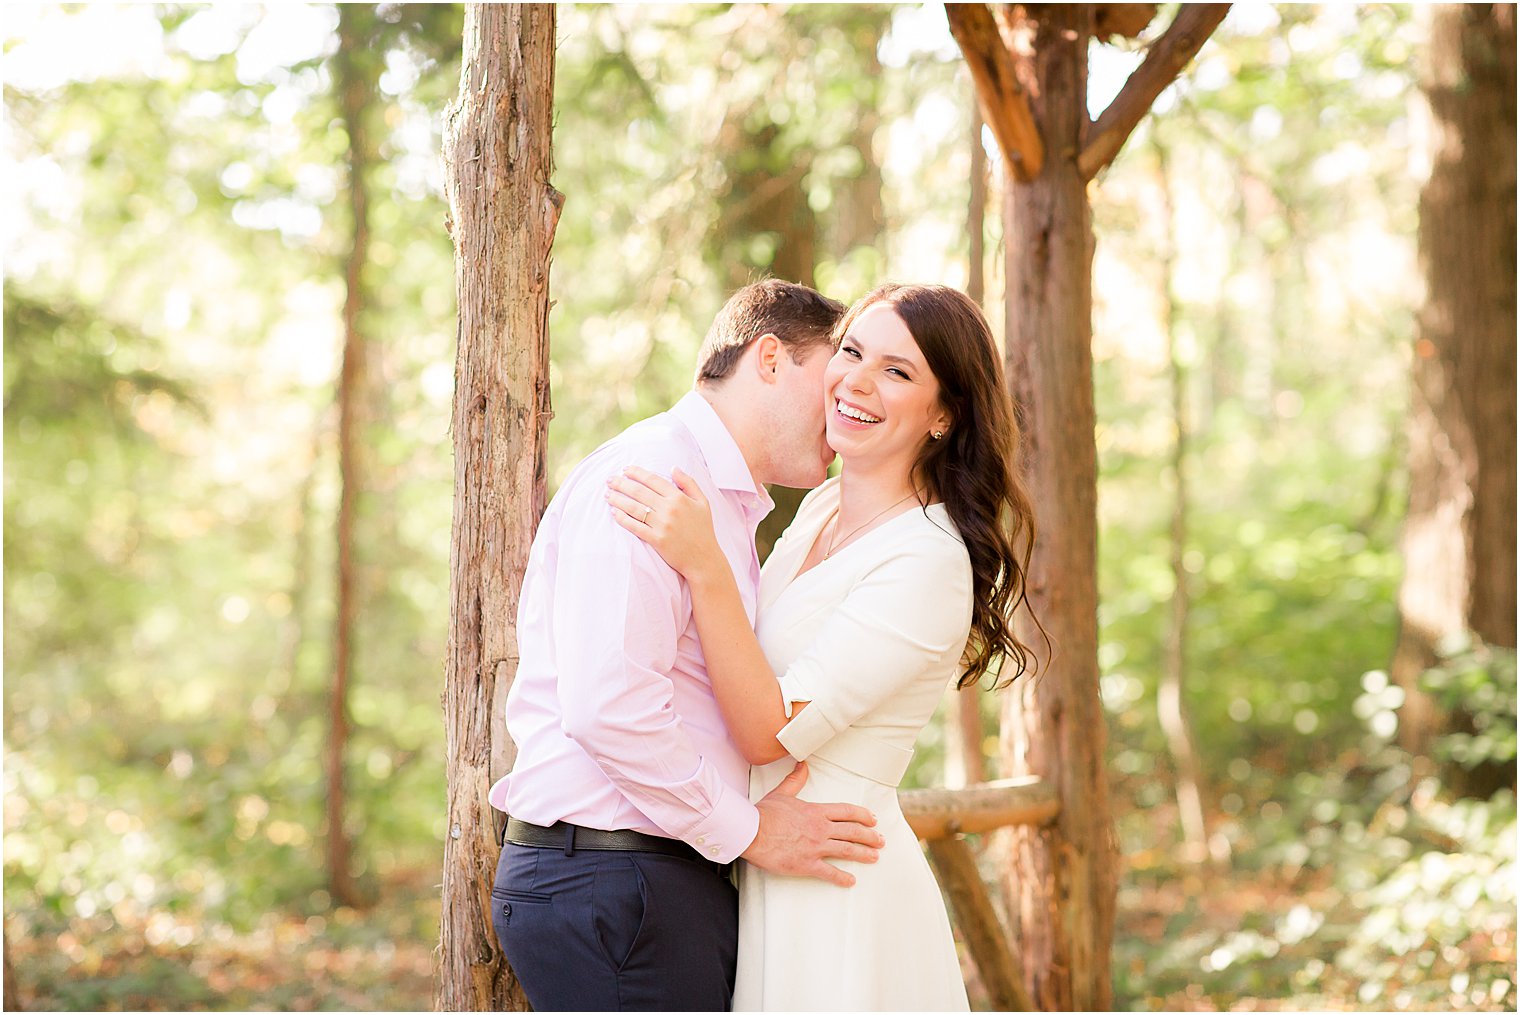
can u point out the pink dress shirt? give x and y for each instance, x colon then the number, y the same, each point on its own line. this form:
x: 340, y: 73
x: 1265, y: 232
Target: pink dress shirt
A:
x: 611, y: 710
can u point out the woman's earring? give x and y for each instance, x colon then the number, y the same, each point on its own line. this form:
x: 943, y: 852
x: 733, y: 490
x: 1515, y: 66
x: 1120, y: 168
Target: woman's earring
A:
x: 937, y: 434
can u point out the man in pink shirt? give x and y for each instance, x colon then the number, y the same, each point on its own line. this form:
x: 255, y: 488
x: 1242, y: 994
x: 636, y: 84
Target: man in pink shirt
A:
x: 628, y: 800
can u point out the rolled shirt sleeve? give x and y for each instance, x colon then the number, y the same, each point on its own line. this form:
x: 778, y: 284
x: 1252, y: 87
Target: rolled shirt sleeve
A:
x: 906, y: 618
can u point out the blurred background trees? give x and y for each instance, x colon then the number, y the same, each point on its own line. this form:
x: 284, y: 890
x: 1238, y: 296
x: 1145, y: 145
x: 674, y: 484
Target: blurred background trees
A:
x: 1459, y: 531
x: 180, y: 242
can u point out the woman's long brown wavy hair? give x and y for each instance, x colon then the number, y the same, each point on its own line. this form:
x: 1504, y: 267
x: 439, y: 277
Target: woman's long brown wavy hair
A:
x: 974, y: 468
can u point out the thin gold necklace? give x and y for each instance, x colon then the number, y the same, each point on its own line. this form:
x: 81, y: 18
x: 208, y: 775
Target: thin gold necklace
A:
x: 836, y: 543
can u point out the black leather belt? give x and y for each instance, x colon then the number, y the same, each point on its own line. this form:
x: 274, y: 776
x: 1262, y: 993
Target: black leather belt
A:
x: 567, y: 837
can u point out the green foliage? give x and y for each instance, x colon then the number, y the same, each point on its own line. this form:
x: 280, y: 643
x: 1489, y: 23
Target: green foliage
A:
x: 1290, y: 553
x: 169, y: 481
x: 1353, y: 881
x: 1375, y: 887
x: 661, y: 179
x: 172, y: 313
x: 1477, y: 683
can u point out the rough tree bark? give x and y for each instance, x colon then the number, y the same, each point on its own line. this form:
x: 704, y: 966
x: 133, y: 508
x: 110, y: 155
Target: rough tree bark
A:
x: 502, y: 215
x: 355, y: 88
x: 1054, y: 726
x: 1029, y: 63
x: 1459, y: 532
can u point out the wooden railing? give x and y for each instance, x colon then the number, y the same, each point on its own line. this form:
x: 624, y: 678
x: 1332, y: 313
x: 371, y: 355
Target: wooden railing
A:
x: 939, y: 816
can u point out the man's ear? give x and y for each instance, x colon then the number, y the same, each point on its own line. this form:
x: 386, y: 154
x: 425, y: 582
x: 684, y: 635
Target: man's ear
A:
x: 768, y: 352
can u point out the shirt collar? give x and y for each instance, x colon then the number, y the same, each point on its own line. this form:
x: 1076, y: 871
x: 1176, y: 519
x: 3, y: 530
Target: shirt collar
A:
x: 724, y: 459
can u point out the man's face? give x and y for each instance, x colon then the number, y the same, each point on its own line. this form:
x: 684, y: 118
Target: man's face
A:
x: 800, y: 457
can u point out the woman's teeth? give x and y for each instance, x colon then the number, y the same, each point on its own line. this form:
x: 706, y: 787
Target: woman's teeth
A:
x: 850, y: 412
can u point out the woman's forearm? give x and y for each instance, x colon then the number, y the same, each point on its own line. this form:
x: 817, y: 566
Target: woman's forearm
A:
x: 742, y: 680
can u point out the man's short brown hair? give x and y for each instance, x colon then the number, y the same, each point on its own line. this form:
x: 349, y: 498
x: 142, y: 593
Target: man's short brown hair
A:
x: 800, y: 317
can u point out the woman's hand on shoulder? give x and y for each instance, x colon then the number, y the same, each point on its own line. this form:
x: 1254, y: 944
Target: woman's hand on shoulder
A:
x: 671, y: 515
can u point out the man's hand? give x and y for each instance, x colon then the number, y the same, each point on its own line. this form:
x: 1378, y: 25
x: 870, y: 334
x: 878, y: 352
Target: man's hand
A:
x: 796, y: 836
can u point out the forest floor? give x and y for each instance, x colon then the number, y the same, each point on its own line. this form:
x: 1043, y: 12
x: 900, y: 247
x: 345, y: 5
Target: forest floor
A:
x: 1256, y: 935
x: 1178, y: 947
x: 380, y: 959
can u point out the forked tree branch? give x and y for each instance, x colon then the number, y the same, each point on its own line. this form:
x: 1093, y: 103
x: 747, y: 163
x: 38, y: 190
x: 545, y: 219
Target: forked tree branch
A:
x: 1005, y: 106
x: 1128, y: 20
x: 1163, y: 62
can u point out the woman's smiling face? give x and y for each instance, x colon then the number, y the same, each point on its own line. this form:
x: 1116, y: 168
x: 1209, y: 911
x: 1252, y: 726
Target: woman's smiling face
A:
x: 881, y: 401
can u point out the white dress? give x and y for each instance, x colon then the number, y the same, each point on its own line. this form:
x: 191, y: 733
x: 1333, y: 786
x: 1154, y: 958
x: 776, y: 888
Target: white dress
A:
x: 870, y: 638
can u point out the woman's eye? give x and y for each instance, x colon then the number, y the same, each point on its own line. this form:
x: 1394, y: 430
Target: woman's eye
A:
x: 852, y: 352
x: 894, y: 370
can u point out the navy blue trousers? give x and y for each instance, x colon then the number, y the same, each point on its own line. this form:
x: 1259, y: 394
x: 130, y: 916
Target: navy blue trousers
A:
x: 604, y: 930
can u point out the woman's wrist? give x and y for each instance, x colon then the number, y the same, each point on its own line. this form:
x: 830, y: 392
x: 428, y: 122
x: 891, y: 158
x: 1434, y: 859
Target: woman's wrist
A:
x: 709, y: 573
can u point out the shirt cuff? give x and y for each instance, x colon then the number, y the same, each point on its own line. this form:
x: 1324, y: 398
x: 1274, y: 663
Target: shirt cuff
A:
x: 727, y: 831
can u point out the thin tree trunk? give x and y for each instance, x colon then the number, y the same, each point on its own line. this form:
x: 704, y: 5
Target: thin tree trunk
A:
x: 1224, y: 352
x: 787, y: 215
x: 976, y: 213
x: 1171, y: 701
x: 354, y: 97
x: 1459, y: 532
x: 12, y: 990
x: 767, y: 196
x: 293, y: 632
x: 966, y: 760
x: 502, y: 213
x: 858, y: 214
x: 965, y: 753
x: 1061, y: 880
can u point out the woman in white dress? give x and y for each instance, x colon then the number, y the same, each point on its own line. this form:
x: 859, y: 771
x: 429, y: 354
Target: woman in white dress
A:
x: 894, y: 579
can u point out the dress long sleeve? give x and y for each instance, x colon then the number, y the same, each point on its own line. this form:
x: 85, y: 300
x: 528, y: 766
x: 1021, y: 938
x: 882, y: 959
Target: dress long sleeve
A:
x: 908, y: 616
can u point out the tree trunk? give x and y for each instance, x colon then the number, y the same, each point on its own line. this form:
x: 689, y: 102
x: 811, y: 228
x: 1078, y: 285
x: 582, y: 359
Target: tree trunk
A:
x: 355, y: 90
x: 859, y: 214
x: 768, y: 195
x: 502, y: 214
x: 1459, y: 533
x: 976, y: 213
x: 995, y: 960
x: 1224, y: 353
x: 293, y: 631
x: 1171, y: 700
x: 12, y: 989
x: 965, y: 757
x: 777, y: 205
x: 1029, y: 65
x: 965, y: 753
x: 1062, y: 878
x: 765, y: 197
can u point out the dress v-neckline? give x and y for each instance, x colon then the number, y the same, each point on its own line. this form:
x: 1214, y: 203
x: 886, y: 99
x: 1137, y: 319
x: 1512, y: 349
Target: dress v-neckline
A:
x: 797, y: 570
